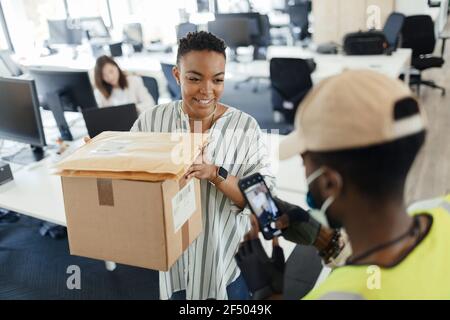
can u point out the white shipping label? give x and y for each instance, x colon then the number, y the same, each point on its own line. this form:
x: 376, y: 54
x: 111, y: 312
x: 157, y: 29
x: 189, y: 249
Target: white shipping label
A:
x: 183, y: 205
x: 110, y: 148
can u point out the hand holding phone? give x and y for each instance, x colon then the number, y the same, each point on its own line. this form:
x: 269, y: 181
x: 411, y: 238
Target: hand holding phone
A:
x: 261, y: 203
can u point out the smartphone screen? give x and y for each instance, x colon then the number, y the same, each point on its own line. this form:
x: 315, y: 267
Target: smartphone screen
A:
x: 262, y: 205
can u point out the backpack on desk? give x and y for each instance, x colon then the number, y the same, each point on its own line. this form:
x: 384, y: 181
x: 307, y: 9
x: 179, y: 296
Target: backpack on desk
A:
x: 365, y: 43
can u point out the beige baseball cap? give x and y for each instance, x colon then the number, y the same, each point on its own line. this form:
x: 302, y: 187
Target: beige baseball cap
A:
x: 351, y: 110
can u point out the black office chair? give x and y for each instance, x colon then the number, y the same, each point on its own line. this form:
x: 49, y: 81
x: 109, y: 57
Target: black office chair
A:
x: 290, y: 82
x: 172, y: 85
x: 184, y: 28
x: 262, y: 41
x: 298, y: 15
x: 152, y: 86
x: 393, y: 28
x: 418, y: 33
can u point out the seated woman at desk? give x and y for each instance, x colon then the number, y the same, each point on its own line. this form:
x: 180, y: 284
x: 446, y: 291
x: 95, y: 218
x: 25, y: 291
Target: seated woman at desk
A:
x: 114, y: 87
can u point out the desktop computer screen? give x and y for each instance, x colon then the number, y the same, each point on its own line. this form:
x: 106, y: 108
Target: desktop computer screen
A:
x: 72, y: 90
x: 12, y: 68
x: 132, y: 33
x: 235, y: 31
x: 95, y: 28
x: 184, y: 28
x: 62, y: 91
x: 20, y: 118
x: 64, y: 32
x: 254, y: 22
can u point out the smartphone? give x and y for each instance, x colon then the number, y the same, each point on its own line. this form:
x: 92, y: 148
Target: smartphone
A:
x: 261, y: 203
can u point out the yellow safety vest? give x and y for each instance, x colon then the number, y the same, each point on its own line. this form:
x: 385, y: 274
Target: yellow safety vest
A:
x: 423, y: 274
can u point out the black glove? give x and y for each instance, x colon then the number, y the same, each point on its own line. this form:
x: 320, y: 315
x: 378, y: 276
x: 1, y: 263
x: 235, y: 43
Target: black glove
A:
x: 302, y: 228
x: 264, y: 276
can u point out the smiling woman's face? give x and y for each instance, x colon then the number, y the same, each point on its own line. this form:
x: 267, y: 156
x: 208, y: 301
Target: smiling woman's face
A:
x: 201, y: 76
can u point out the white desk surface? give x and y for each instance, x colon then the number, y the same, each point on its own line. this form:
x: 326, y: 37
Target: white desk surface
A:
x: 37, y: 193
x: 327, y: 65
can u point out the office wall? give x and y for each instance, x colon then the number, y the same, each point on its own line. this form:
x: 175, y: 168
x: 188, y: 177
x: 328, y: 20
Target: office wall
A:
x: 411, y: 7
x: 334, y: 18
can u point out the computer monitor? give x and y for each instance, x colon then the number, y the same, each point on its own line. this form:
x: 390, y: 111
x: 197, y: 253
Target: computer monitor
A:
x: 64, y: 32
x: 95, y: 28
x: 20, y: 118
x: 4, y: 70
x: 118, y: 118
x: 184, y: 28
x: 235, y: 31
x: 8, y: 66
x: 62, y: 91
x: 255, y: 27
x: 132, y: 33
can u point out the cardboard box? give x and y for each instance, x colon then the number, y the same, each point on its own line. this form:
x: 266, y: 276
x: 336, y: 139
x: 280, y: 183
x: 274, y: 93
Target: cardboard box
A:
x: 138, y: 223
x: 127, y: 201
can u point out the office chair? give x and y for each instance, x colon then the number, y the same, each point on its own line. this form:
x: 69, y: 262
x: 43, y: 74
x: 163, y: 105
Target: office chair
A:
x: 264, y: 38
x: 152, y: 86
x: 262, y: 41
x: 184, y: 28
x: 290, y: 82
x: 393, y: 28
x: 418, y: 34
x: 298, y: 15
x: 172, y: 85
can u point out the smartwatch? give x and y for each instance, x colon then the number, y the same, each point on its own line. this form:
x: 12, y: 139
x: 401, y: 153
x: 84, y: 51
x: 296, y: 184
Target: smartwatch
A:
x: 222, y: 175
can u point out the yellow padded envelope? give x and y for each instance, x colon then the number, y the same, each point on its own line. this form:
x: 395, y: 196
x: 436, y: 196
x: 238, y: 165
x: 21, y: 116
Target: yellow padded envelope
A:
x: 134, y: 156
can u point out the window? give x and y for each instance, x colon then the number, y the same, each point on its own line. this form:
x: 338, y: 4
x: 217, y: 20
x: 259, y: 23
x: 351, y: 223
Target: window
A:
x: 89, y: 8
x: 27, y: 21
x: 3, y: 41
x: 158, y: 18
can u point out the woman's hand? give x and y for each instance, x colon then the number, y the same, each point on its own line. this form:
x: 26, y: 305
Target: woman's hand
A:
x: 202, y: 169
x: 202, y: 172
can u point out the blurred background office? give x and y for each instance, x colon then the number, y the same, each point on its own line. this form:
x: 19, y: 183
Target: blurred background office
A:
x: 277, y: 51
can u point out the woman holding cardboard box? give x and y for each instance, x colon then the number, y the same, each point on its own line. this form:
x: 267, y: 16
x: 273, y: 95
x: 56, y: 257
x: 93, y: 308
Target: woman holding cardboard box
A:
x: 207, y: 270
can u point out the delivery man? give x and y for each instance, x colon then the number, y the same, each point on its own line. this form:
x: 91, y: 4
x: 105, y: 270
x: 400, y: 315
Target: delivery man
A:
x: 358, y: 134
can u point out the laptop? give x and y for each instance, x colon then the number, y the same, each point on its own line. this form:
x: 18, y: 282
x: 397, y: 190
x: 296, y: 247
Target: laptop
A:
x: 118, y: 118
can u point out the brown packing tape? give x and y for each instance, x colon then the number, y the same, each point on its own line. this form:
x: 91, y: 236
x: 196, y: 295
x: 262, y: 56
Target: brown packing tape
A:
x: 105, y: 192
x: 137, y: 176
x: 185, y: 236
x: 157, y: 153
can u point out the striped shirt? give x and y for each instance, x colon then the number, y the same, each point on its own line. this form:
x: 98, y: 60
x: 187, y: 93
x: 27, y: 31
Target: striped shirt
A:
x: 207, y: 267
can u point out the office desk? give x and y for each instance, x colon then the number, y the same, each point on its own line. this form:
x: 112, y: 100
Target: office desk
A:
x: 34, y: 192
x: 37, y: 193
x: 328, y: 65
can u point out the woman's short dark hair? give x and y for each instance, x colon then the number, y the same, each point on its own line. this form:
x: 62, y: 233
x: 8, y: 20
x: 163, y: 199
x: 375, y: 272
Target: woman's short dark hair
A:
x: 104, y: 87
x: 199, y: 41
